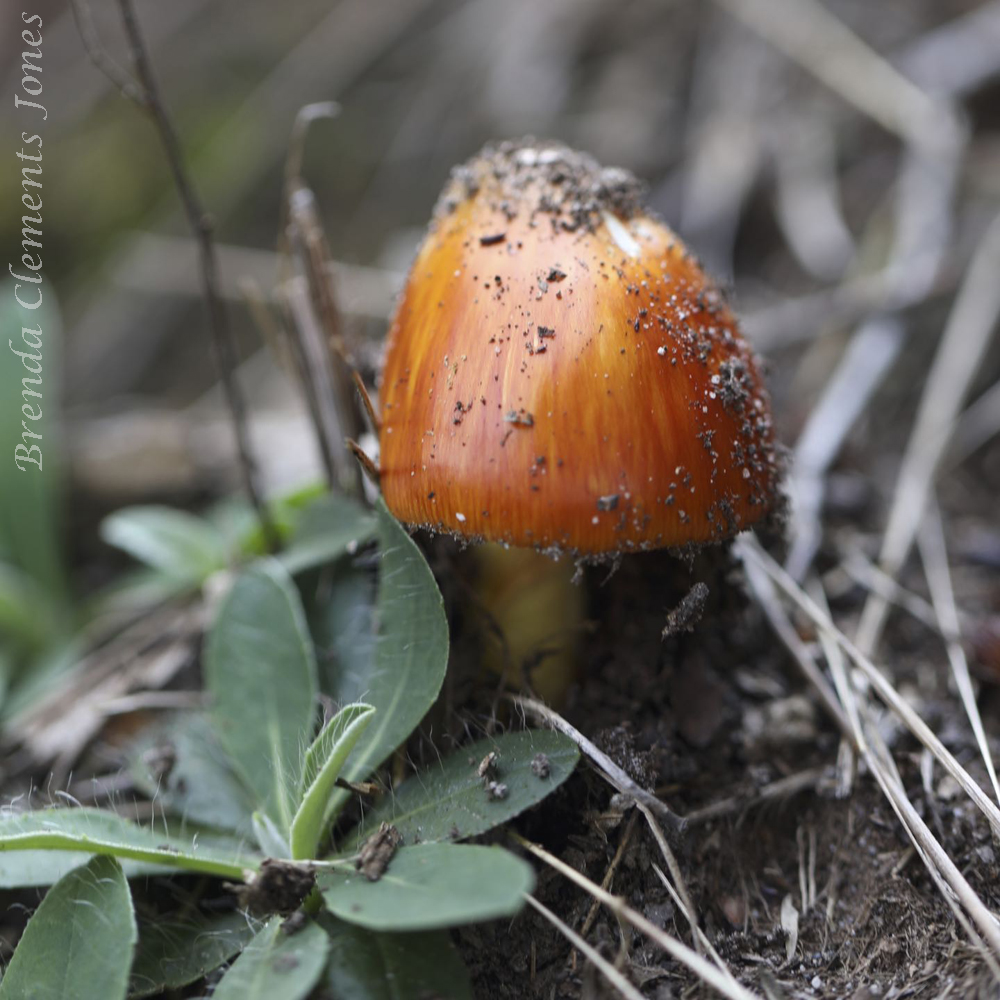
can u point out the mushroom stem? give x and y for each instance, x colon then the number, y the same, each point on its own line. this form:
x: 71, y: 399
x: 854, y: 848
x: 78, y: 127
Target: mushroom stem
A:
x: 532, y: 615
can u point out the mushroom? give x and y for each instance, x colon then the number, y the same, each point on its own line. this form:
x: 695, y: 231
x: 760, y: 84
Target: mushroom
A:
x: 561, y: 375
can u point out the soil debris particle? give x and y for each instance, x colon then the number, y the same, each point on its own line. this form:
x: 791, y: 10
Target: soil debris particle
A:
x: 377, y: 851
x: 278, y: 887
x: 541, y: 767
x: 544, y: 178
x: 687, y: 614
x: 496, y: 791
x: 160, y: 759
x: 520, y: 418
x: 488, y: 765
x: 610, y: 502
x: 492, y: 239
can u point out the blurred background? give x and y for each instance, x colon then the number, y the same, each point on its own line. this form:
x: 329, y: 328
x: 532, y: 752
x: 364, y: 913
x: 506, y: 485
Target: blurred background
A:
x: 834, y: 164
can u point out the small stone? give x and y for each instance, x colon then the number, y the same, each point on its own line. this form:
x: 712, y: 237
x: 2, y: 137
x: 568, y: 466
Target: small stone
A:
x: 496, y: 791
x: 541, y: 767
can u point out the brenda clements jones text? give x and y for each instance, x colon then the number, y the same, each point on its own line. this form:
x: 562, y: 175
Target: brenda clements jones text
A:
x: 27, y: 274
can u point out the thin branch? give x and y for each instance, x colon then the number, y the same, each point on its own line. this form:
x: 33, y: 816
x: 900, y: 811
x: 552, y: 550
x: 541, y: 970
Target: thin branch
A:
x: 747, y: 548
x: 675, y: 949
x: 613, y: 976
x: 767, y: 598
x: 873, y: 349
x: 366, y: 401
x: 934, y: 554
x: 950, y: 882
x: 368, y: 466
x: 608, y: 769
x: 780, y: 789
x: 963, y: 344
x: 98, y: 55
x: 145, y: 92
x: 817, y: 40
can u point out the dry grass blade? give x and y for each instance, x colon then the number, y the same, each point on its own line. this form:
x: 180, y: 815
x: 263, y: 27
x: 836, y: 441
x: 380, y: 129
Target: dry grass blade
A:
x: 949, y: 880
x: 934, y: 554
x: 682, y: 895
x: 764, y: 592
x: 750, y: 551
x: 610, y: 771
x: 963, y: 345
x: 866, y: 574
x: 707, y: 972
x: 776, y: 790
x: 609, y: 875
x: 978, y: 424
x: 613, y: 976
x: 700, y: 936
x: 813, y: 37
x: 870, y: 354
x: 958, y: 56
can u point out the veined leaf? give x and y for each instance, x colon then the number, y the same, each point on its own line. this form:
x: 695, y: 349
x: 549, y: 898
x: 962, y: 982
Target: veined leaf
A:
x: 276, y: 964
x: 430, y: 886
x: 96, y: 831
x: 260, y: 668
x: 411, y: 653
x: 327, y: 528
x: 175, y: 951
x: 384, y: 966
x: 79, y: 942
x: 198, y: 784
x: 448, y: 801
x: 269, y: 838
x: 180, y: 545
x: 323, y: 763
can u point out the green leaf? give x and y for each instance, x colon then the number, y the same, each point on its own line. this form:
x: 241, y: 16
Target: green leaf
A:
x: 180, y: 545
x: 180, y: 763
x: 79, y: 942
x: 328, y: 527
x: 27, y: 620
x: 7, y: 669
x: 411, y: 655
x: 269, y: 838
x: 394, y: 966
x: 237, y: 519
x: 28, y: 687
x: 260, y: 668
x: 96, y: 831
x: 430, y: 886
x: 31, y: 500
x: 276, y: 964
x: 175, y: 951
x: 323, y: 763
x: 340, y: 606
x: 24, y: 869
x: 448, y: 801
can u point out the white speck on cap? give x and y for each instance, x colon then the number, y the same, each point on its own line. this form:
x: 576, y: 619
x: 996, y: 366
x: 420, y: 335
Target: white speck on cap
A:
x: 621, y: 235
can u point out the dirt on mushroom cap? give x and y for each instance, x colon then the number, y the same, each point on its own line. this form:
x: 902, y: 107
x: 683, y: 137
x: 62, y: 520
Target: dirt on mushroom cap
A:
x: 581, y: 356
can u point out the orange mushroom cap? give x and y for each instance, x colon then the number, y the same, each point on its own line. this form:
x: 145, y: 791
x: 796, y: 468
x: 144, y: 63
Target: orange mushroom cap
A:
x: 561, y: 373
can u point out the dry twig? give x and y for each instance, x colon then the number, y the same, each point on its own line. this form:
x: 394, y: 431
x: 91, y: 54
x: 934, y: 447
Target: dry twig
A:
x: 613, y: 976
x: 934, y: 554
x: 708, y: 973
x: 606, y: 767
x: 145, y: 93
x: 963, y: 344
